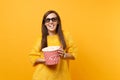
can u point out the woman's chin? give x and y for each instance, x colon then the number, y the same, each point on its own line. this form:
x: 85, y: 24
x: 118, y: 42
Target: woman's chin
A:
x: 52, y: 30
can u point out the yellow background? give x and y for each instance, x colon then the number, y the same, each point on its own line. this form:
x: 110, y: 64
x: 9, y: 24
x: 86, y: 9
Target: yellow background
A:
x: 94, y: 25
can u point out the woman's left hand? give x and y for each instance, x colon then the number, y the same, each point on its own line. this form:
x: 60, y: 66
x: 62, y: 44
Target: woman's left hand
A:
x: 64, y: 55
x: 61, y: 52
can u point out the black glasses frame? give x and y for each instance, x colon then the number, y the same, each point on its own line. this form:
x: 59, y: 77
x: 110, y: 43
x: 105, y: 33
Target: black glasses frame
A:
x: 54, y: 19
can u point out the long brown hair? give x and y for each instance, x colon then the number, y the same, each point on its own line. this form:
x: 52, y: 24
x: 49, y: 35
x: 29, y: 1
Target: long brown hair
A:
x: 58, y: 31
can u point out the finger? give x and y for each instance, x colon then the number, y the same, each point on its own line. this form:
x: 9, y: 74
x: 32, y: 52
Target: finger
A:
x: 60, y: 52
x: 61, y: 55
x: 60, y: 49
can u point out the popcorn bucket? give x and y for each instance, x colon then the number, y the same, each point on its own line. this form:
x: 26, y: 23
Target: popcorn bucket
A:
x: 51, y: 55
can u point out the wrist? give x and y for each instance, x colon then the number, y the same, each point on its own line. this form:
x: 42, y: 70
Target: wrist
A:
x: 65, y: 55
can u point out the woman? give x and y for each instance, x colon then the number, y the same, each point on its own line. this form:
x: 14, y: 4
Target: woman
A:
x: 52, y: 35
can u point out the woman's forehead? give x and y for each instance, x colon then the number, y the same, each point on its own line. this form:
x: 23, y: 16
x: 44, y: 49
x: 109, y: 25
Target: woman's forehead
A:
x: 51, y: 15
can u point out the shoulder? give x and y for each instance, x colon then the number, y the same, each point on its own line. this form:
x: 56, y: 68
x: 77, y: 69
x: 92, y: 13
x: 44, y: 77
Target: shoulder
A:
x: 67, y: 35
x: 38, y: 40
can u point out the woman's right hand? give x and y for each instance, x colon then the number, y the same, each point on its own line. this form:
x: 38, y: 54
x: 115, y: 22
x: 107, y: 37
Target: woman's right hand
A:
x: 41, y: 60
x: 38, y: 61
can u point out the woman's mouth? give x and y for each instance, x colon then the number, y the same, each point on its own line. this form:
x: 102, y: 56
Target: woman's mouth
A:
x: 51, y: 26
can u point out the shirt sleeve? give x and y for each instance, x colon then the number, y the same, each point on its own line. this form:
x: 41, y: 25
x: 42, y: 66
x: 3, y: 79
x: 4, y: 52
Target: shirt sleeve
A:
x: 35, y: 52
x: 71, y: 45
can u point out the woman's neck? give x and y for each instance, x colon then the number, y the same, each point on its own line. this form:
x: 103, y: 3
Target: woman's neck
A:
x: 51, y: 33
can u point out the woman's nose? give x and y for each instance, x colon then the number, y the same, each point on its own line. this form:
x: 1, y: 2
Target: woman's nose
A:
x: 51, y: 21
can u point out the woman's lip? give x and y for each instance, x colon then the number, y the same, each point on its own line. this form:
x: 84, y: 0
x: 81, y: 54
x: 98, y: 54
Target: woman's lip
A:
x: 51, y: 25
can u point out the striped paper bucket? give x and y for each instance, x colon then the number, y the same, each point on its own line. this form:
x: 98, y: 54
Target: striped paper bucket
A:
x: 51, y: 55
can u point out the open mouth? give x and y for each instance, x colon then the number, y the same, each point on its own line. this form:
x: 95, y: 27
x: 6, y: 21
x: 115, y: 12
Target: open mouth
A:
x: 51, y: 26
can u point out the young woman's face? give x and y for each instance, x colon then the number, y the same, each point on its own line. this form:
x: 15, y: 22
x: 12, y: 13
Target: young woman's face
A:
x: 51, y: 22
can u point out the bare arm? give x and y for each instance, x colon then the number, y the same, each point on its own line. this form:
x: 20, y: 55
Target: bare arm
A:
x: 65, y: 55
x: 39, y: 61
x: 68, y: 56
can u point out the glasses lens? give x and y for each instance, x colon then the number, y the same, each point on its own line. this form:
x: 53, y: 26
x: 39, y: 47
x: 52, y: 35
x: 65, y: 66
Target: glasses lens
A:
x: 54, y: 19
x: 47, y: 20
